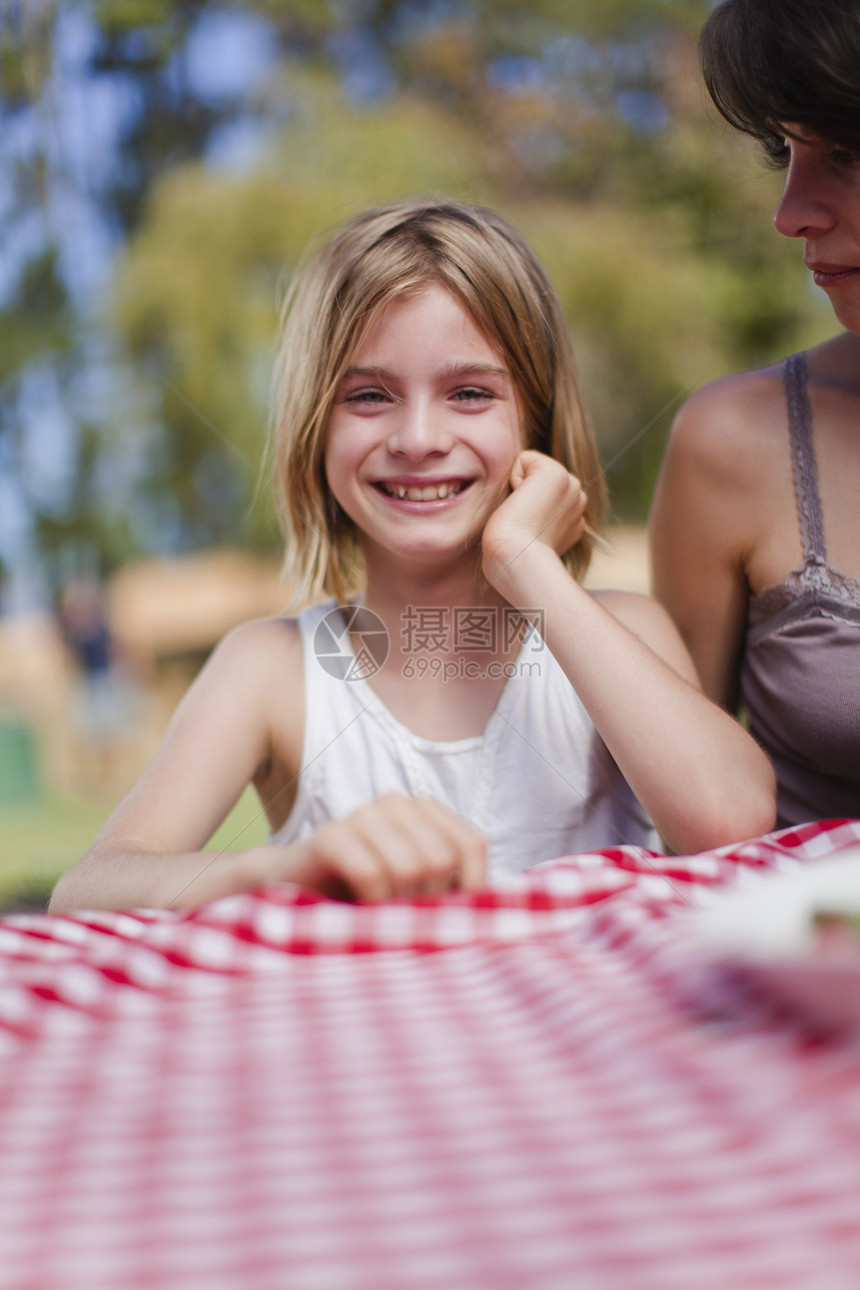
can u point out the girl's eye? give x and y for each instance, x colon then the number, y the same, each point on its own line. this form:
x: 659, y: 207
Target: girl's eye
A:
x: 471, y: 394
x: 367, y: 396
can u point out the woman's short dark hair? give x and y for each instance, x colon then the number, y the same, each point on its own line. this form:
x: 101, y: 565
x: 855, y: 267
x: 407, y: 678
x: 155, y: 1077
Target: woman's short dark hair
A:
x: 771, y: 62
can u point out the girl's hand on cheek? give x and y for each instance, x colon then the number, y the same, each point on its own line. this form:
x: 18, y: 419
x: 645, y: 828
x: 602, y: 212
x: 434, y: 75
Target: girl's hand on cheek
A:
x: 546, y: 506
x: 395, y: 846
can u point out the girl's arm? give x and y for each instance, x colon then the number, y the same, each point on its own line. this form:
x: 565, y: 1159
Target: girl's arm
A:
x: 150, y: 851
x: 699, y: 775
x: 149, y: 854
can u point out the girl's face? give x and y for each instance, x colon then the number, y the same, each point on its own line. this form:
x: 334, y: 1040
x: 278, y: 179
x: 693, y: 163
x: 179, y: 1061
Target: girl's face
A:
x: 423, y: 432
x: 821, y: 204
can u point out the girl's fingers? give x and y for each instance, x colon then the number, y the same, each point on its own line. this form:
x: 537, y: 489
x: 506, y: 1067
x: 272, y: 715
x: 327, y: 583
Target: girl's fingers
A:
x: 337, y: 861
x: 565, y: 514
x: 575, y: 521
x: 547, y: 504
x: 415, y: 856
x: 425, y: 848
x: 469, y: 846
x: 453, y: 853
x: 518, y: 472
x: 395, y: 846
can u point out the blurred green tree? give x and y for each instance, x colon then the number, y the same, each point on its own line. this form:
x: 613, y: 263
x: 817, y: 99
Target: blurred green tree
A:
x: 584, y: 122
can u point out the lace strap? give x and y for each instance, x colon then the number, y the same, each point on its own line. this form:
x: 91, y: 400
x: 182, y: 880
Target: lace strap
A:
x: 803, y: 459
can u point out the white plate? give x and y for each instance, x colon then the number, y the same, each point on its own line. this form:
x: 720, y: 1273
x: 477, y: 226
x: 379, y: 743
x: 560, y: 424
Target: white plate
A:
x: 766, y: 930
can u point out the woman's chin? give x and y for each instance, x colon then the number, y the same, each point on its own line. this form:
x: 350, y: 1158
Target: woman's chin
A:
x: 847, y: 311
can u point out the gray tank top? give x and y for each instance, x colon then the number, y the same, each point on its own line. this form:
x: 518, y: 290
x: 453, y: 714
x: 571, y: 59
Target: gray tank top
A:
x: 800, y: 673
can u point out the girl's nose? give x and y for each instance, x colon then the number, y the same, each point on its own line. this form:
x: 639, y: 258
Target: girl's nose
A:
x: 420, y: 431
x: 804, y: 209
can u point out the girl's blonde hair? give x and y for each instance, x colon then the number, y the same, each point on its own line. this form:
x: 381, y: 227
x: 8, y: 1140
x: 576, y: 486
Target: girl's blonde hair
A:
x: 337, y: 294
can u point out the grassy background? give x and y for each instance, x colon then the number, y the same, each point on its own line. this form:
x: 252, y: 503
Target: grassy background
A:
x: 43, y: 837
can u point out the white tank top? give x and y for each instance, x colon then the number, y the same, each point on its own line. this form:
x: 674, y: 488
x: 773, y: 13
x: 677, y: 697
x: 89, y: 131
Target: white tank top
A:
x: 538, y: 783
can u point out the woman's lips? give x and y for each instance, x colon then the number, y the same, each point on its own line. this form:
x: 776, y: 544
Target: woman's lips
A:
x: 828, y: 275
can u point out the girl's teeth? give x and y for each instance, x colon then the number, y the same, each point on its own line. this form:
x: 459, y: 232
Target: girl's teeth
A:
x: 430, y: 493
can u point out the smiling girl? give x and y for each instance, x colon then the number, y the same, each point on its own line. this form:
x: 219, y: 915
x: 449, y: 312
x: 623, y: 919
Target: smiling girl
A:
x: 439, y: 484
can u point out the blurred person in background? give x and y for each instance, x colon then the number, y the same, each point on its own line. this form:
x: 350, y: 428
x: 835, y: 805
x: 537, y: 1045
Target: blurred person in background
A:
x: 103, y: 700
x: 755, y: 537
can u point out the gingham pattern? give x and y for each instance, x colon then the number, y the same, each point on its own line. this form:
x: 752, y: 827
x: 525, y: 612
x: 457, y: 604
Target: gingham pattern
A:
x: 539, y: 1088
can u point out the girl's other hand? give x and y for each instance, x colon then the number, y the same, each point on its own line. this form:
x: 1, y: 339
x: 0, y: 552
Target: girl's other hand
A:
x: 395, y: 846
x: 546, y: 505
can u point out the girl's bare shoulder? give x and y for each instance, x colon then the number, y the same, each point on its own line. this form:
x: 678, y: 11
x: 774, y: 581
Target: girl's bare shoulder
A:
x: 263, y: 640
x: 261, y: 659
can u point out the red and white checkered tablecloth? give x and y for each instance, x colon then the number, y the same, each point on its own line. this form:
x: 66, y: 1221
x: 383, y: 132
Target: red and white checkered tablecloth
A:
x: 534, y: 1088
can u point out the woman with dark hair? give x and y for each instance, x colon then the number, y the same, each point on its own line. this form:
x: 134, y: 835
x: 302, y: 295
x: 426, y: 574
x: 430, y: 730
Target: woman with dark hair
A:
x: 755, y: 530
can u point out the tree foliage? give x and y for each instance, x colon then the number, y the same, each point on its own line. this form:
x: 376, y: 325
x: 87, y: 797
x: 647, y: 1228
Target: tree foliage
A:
x: 584, y: 122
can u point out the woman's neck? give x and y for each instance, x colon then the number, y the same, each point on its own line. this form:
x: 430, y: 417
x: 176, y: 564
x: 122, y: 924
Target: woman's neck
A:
x: 837, y: 363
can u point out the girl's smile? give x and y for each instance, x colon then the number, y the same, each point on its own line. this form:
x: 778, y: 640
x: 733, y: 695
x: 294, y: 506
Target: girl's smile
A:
x: 424, y: 427
x: 421, y: 489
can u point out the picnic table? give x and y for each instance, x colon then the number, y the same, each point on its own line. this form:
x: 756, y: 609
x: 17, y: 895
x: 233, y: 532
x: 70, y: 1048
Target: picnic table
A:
x: 546, y: 1086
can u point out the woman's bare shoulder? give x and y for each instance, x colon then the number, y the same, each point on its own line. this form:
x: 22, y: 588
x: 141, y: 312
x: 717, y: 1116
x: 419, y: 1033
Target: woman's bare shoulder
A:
x: 737, y: 414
